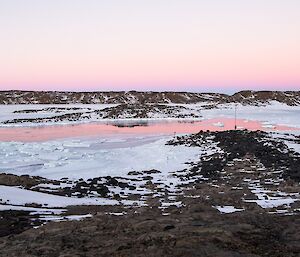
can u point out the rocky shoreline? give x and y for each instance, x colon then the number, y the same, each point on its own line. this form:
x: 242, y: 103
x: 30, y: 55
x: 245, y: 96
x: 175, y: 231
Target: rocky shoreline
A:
x: 121, y: 111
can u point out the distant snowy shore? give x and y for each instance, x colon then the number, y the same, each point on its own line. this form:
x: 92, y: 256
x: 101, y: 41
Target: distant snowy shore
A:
x: 41, y: 115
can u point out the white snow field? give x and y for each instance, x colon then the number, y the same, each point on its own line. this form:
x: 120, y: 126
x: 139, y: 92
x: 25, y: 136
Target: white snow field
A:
x: 75, y: 159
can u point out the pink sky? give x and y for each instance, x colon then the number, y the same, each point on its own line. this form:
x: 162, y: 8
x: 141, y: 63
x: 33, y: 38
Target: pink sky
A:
x: 150, y: 45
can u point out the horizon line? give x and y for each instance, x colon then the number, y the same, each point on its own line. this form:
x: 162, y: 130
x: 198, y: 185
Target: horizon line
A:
x: 149, y: 91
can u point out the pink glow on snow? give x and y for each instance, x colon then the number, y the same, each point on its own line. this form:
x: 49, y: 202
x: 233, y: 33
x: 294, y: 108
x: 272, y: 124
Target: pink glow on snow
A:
x: 33, y: 134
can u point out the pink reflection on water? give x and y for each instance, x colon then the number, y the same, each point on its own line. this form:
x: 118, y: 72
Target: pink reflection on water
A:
x: 45, y: 133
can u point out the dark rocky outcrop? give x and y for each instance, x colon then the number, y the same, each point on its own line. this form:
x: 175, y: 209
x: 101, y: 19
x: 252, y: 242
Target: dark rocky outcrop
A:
x: 272, y: 154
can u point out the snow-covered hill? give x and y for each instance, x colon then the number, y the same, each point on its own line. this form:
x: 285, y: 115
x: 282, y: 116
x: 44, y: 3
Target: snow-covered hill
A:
x: 130, y: 97
x: 134, y: 97
x: 264, y: 97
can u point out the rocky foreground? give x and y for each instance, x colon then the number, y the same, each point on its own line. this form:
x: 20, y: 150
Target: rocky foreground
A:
x: 195, y: 230
x: 241, y: 198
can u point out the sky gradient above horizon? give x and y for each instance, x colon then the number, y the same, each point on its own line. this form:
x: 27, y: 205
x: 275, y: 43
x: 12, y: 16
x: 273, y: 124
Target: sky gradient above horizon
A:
x: 173, y: 45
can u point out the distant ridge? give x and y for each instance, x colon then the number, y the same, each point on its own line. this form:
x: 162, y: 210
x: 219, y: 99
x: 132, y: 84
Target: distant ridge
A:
x: 135, y: 97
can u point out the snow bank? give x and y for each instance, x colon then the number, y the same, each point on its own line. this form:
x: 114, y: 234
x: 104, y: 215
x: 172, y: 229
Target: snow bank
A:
x: 18, y: 196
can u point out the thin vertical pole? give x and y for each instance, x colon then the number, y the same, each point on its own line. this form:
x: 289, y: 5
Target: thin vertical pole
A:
x: 235, y: 106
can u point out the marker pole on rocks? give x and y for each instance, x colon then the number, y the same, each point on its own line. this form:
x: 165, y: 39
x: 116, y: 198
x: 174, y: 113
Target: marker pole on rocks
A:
x: 235, y: 107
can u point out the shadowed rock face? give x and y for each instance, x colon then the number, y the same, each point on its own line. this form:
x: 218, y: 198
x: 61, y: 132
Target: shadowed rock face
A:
x: 196, y: 230
x: 15, y: 222
x: 24, y: 181
x: 134, y: 97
